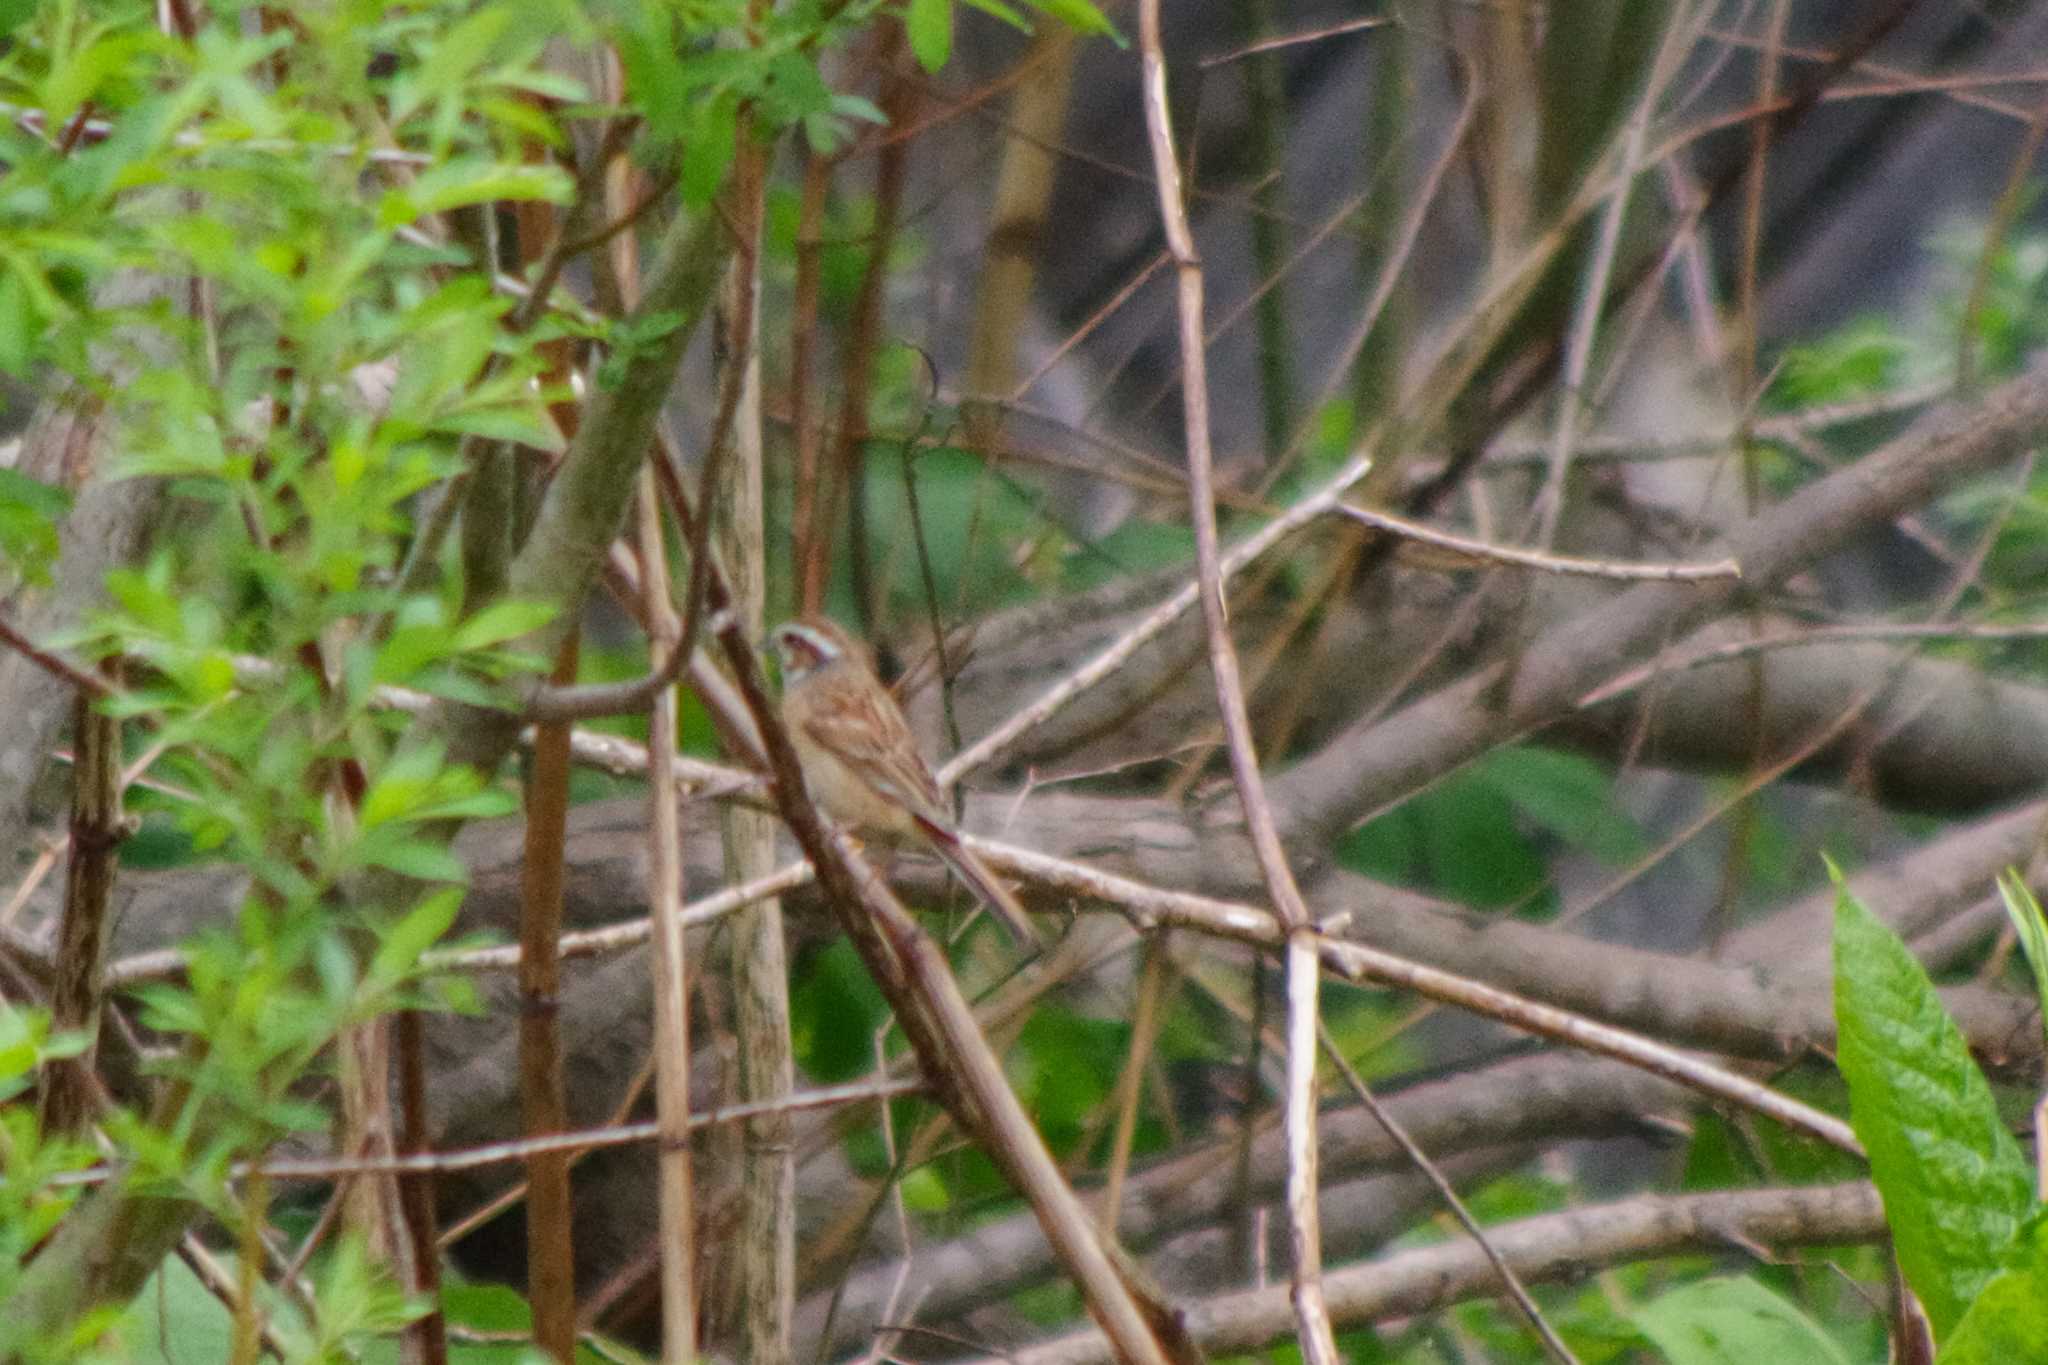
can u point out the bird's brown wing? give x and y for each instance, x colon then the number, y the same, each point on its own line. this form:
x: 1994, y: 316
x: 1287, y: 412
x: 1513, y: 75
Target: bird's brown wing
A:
x: 866, y: 732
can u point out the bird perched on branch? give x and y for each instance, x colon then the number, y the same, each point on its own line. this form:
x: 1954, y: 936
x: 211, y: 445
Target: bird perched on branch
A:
x: 860, y: 762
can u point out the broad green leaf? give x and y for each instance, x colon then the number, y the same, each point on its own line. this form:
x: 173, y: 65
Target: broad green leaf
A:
x: 930, y: 26
x: 1460, y: 838
x: 1954, y: 1184
x: 1137, y: 546
x: 174, y: 1320
x: 486, y: 1307
x: 1734, y: 1321
x: 1570, y: 796
x: 2008, y: 1321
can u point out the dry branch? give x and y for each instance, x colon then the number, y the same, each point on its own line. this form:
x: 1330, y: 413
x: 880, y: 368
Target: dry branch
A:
x: 1373, y: 766
x: 1551, y: 1247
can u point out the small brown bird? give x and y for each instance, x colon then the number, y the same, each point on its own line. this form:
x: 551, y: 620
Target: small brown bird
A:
x: 861, y: 764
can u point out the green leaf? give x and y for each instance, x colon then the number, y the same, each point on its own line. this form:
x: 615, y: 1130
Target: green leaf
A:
x: 1734, y: 1321
x: 1003, y: 12
x: 418, y: 858
x: 930, y: 26
x: 1082, y: 17
x: 2025, y: 913
x: 421, y: 928
x: 2008, y: 1321
x: 29, y: 513
x: 175, y: 1319
x: 405, y: 782
x: 21, y: 325
x: 1137, y: 546
x: 1954, y: 1184
x: 15, y: 13
x: 1571, y: 796
x: 502, y: 621
x: 521, y: 423
x: 21, y: 1033
x: 1458, y: 839
x: 708, y: 149
x: 472, y: 180
x: 486, y: 1307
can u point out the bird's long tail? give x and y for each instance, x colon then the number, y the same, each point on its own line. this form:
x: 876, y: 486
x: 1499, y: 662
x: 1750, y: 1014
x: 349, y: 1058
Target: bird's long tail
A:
x: 983, y: 883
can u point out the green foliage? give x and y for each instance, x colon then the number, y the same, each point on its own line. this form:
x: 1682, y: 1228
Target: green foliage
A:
x: 1136, y: 546
x: 1734, y: 1321
x: 973, y: 523
x: 1863, y: 358
x: 2012, y: 315
x: 930, y: 26
x: 29, y: 512
x: 175, y: 1319
x: 1065, y: 1068
x: 1955, y: 1185
x: 834, y: 1010
x: 841, y: 249
x: 2008, y: 1321
x: 1478, y: 836
x: 2032, y: 927
x: 311, y: 181
x: 31, y: 1162
x: 328, y: 349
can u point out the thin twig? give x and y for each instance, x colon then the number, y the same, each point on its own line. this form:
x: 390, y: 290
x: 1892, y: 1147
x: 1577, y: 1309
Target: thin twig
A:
x: 54, y: 664
x: 986, y: 749
x: 941, y: 1028
x: 1151, y: 908
x: 2003, y: 214
x: 218, y: 1281
x: 1152, y: 986
x: 1585, y: 323
x: 667, y: 962
x: 1819, y: 636
x: 1536, y: 559
x: 519, y: 1150
x: 1517, y: 1291
x: 1318, y: 1341
x: 1550, y: 1247
x: 1286, y: 40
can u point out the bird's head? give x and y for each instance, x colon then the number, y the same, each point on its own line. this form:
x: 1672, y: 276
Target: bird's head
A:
x: 805, y: 645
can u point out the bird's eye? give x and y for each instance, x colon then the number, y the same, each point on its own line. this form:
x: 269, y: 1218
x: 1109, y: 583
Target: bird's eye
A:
x: 800, y: 650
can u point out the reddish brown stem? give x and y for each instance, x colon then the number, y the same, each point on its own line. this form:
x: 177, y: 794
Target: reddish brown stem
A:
x: 899, y: 99
x: 550, y: 1251
x: 806, y: 533
x: 427, y: 1336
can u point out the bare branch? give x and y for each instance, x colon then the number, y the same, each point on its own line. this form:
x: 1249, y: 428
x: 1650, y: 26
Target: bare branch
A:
x: 1536, y: 559
x: 1550, y: 1247
x: 1376, y: 765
